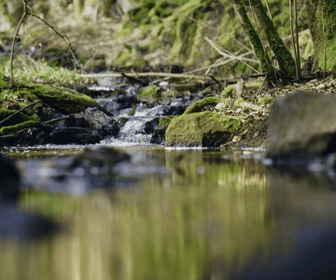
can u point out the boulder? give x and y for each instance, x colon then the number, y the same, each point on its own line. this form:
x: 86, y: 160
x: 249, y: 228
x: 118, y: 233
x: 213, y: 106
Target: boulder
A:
x: 201, y: 129
x: 75, y: 135
x: 302, y: 126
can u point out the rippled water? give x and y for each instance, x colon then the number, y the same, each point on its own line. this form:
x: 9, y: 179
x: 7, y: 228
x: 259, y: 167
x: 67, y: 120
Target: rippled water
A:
x: 171, y: 214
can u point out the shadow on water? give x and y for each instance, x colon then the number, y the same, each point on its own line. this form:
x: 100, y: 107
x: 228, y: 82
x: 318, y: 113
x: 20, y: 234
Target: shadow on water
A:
x: 173, y: 214
x: 302, y: 206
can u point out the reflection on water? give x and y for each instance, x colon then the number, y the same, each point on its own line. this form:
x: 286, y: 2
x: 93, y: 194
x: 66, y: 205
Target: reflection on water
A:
x: 194, y: 215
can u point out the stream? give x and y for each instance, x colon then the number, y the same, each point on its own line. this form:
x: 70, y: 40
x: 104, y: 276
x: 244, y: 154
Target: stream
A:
x: 130, y: 210
x: 169, y: 214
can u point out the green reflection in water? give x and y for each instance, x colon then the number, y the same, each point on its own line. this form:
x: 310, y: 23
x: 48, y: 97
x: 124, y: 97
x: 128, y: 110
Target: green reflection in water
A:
x: 207, y: 216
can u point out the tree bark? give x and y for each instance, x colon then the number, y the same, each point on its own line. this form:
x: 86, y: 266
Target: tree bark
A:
x: 322, y: 26
x: 254, y: 38
x: 281, y: 53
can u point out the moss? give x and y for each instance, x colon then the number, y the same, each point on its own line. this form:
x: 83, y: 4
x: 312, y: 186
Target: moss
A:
x: 165, y: 121
x: 203, y: 105
x: 150, y: 93
x: 203, y: 129
x: 14, y: 128
x: 64, y: 100
x: 265, y: 100
x: 228, y: 91
x: 238, y: 102
x: 4, y: 113
x: 282, y: 54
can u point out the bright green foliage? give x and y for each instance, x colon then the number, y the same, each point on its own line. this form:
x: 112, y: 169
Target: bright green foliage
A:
x: 14, y: 128
x: 322, y: 27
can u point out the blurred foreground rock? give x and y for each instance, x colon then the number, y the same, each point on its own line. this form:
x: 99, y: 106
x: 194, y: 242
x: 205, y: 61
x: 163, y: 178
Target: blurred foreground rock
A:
x: 302, y: 126
x: 15, y: 223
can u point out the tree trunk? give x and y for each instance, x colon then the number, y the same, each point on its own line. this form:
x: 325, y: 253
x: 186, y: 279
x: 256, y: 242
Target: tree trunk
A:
x: 254, y: 38
x: 322, y: 26
x: 282, y: 54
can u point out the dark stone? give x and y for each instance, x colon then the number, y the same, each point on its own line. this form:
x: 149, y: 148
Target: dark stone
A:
x: 13, y: 222
x: 151, y: 125
x: 10, y: 177
x: 75, y: 135
x: 76, y: 121
x: 79, y: 174
x: 24, y: 226
x: 99, y: 121
x: 302, y: 126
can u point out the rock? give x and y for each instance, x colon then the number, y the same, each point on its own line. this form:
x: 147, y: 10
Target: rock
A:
x: 105, y: 125
x: 302, y: 126
x: 79, y: 174
x: 15, y: 223
x: 75, y: 135
x: 158, y: 136
x: 10, y: 177
x: 204, y: 129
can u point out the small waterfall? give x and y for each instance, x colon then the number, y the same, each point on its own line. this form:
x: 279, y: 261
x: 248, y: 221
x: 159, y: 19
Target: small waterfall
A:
x: 134, y: 131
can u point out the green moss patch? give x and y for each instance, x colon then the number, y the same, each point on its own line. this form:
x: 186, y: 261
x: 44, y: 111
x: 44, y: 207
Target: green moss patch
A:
x: 14, y: 128
x: 205, y: 104
x: 203, y: 129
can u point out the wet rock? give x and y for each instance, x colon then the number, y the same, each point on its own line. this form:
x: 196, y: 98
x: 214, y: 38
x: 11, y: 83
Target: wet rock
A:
x: 10, y: 177
x: 75, y: 135
x: 105, y: 125
x: 204, y: 129
x: 15, y: 223
x: 75, y: 121
x: 93, y: 168
x: 302, y: 126
x: 159, y: 134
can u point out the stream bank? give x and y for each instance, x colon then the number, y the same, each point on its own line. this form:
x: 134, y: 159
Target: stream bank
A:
x: 197, y: 114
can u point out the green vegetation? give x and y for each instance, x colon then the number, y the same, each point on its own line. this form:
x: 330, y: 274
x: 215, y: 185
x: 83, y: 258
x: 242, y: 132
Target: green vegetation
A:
x: 28, y: 70
x: 17, y: 127
x: 64, y: 100
x: 150, y: 93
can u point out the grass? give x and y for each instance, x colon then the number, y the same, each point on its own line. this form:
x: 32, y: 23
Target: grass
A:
x: 26, y: 69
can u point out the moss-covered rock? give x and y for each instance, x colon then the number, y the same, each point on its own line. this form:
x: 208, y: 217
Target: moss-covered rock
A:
x: 149, y: 93
x: 203, y: 129
x: 205, y: 104
x: 64, y: 100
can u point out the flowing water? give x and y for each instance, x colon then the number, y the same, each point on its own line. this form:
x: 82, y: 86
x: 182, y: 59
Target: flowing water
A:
x: 169, y: 214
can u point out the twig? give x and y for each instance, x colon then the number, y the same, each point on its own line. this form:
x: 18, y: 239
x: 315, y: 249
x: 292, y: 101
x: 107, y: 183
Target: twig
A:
x: 28, y: 11
x: 56, y: 120
x: 298, y: 64
x: 228, y: 54
x: 269, y: 11
x: 324, y: 43
x: 63, y: 37
x: 24, y: 2
x: 19, y: 111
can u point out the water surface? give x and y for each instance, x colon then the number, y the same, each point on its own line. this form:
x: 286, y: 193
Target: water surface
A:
x: 170, y: 214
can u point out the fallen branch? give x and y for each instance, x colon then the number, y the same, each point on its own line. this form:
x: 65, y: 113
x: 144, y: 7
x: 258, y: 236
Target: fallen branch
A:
x: 150, y: 74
